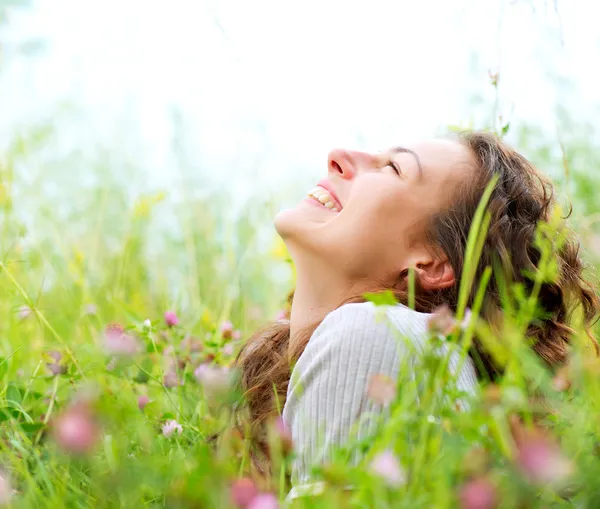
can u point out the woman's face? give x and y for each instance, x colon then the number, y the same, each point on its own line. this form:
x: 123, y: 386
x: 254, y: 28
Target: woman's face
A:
x: 367, y: 218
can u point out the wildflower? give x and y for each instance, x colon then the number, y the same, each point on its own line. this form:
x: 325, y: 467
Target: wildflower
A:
x: 171, y: 318
x: 215, y: 380
x: 147, y: 324
x: 242, y: 492
x: 494, y: 77
x: 236, y: 334
x: 387, y: 466
x: 281, y: 315
x: 142, y: 401
x: 228, y: 349
x: 283, y: 435
x: 170, y: 379
x: 76, y: 431
x: 170, y: 427
x: 442, y: 321
x: 6, y: 491
x: 24, y: 312
x: 538, y: 456
x: 118, y: 342
x: 382, y: 389
x: 56, y: 369
x: 226, y: 329
x: 173, y: 362
x: 57, y: 356
x: 191, y: 344
x: 478, y: 494
x: 542, y: 462
x: 264, y: 501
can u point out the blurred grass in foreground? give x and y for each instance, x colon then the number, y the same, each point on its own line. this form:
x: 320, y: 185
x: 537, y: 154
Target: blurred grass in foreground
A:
x: 99, y: 415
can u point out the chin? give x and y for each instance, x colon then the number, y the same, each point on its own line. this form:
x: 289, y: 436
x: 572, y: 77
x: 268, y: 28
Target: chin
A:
x: 287, y: 223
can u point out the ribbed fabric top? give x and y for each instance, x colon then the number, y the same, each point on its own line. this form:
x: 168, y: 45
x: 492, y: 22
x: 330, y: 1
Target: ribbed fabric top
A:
x: 328, y: 388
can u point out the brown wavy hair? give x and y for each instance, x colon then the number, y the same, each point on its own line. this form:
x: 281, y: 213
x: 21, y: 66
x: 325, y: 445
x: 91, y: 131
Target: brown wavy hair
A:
x: 520, y: 199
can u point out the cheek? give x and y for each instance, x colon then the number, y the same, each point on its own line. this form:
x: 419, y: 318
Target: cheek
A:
x: 370, y: 235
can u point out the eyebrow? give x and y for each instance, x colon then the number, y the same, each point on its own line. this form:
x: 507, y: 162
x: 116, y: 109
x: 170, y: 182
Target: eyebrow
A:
x: 412, y: 153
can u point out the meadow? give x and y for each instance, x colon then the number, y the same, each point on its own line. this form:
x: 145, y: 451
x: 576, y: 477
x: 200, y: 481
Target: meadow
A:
x: 123, y: 312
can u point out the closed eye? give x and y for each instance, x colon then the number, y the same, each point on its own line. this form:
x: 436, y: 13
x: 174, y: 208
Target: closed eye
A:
x: 395, y: 167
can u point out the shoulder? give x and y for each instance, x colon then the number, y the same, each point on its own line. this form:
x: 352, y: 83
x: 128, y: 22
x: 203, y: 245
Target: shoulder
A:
x: 365, y: 320
x: 358, y: 331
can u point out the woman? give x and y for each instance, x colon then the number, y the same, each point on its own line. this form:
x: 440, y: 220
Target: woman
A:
x: 361, y: 229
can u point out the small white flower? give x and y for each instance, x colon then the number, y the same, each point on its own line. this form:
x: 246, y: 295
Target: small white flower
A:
x: 147, y: 324
x: 24, y: 312
x: 170, y: 427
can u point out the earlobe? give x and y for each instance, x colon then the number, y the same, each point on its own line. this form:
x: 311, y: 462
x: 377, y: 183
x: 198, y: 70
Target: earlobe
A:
x: 436, y: 275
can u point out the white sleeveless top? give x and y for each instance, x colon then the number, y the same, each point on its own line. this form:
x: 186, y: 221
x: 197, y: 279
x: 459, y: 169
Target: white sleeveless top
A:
x: 328, y: 388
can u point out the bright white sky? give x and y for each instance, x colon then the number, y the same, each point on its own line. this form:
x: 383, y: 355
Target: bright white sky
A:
x: 266, y: 87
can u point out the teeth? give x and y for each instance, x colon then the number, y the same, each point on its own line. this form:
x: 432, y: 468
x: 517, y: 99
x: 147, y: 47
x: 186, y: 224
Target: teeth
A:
x: 322, y: 196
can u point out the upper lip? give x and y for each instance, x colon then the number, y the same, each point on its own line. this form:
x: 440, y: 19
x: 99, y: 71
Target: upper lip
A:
x: 327, y: 185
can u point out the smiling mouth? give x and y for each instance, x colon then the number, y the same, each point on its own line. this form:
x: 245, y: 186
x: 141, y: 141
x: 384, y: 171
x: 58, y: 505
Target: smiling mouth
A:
x: 322, y: 196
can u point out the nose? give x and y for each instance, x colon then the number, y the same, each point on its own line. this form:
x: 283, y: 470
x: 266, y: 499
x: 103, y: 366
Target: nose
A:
x: 347, y: 163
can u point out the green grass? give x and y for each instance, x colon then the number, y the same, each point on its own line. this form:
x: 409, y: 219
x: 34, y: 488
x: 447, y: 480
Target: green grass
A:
x: 76, y: 261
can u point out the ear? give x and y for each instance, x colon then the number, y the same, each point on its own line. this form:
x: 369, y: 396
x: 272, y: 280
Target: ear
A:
x: 434, y: 272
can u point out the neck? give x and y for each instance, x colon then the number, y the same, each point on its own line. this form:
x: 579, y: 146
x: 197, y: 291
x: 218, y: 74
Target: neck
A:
x: 319, y: 290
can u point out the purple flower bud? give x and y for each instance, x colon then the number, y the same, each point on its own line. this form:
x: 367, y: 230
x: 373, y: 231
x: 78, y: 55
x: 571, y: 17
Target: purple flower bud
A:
x: 171, y: 318
x: 542, y: 462
x: 242, y: 492
x: 478, y: 494
x: 118, y: 342
x: 387, y: 466
x: 191, y: 344
x: 170, y: 379
x: 170, y: 427
x: 143, y: 400
x: 281, y: 315
x: 76, y: 430
x: 283, y: 435
x: 382, y: 389
x: 442, y: 321
x: 215, y: 380
x: 226, y: 329
x: 56, y: 369
x: 264, y: 501
x: 54, y: 354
